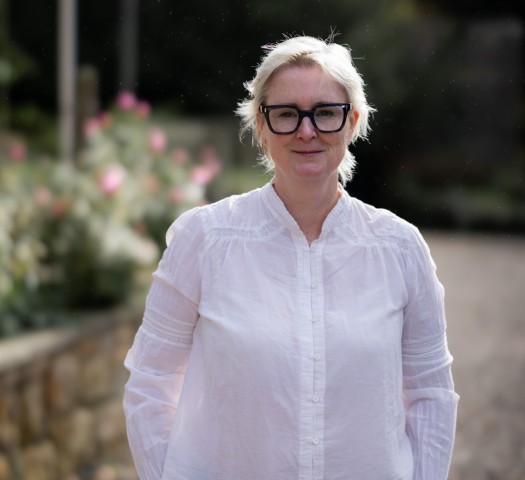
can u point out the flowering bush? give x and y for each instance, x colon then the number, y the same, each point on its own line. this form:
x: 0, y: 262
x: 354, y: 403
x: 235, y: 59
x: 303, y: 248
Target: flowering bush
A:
x: 75, y: 236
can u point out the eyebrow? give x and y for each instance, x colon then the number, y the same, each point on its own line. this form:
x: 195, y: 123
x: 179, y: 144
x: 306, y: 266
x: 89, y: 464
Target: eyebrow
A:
x: 317, y: 104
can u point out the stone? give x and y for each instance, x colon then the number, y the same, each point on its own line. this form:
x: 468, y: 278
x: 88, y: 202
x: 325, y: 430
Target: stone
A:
x: 125, y: 334
x: 114, y: 471
x: 74, y: 436
x: 111, y: 427
x: 33, y: 410
x: 87, y: 347
x: 62, y: 383
x: 124, y: 339
x: 61, y: 404
x: 105, y: 472
x: 95, y: 379
x: 40, y: 462
x: 5, y: 469
x: 9, y: 419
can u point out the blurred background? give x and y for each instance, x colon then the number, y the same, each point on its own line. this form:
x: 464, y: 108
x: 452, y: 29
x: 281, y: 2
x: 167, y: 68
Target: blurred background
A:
x: 117, y: 116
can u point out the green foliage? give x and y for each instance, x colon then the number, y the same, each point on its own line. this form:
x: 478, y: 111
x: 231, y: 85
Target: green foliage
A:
x: 211, y: 63
x: 195, y: 56
x: 77, y: 236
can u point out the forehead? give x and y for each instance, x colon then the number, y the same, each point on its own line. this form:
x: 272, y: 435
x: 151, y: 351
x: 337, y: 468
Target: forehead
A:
x: 304, y: 86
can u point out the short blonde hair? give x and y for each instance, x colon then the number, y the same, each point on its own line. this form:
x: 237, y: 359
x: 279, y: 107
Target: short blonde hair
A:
x: 334, y: 59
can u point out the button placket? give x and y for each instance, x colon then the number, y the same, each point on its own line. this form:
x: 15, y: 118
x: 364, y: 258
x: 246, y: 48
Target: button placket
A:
x: 317, y: 358
x: 311, y: 456
x: 307, y: 409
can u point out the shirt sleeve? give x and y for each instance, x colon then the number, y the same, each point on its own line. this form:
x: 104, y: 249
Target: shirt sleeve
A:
x: 430, y: 400
x: 159, y: 355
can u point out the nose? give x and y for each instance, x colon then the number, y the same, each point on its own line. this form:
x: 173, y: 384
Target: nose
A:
x: 306, y: 130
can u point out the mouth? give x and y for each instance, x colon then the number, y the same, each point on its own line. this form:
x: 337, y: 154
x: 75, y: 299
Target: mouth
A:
x: 307, y: 153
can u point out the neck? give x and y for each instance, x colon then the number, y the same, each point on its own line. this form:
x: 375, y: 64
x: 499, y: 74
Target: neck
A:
x: 308, y: 206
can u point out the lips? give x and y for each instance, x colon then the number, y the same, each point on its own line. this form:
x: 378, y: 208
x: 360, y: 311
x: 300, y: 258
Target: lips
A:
x: 307, y: 152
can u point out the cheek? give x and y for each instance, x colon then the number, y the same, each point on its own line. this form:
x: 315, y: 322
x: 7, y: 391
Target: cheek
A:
x: 346, y: 138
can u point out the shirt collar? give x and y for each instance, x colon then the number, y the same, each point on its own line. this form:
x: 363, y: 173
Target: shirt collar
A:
x: 280, y: 212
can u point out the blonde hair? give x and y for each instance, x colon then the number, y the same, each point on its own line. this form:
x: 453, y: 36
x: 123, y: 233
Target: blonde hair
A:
x: 334, y: 59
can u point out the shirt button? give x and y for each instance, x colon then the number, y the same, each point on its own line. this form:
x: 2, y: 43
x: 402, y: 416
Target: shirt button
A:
x: 314, y: 285
x: 315, y: 441
x: 317, y: 357
x: 315, y: 319
x: 315, y: 398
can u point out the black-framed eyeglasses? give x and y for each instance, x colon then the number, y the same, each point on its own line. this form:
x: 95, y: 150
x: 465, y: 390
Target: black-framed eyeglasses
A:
x: 286, y: 119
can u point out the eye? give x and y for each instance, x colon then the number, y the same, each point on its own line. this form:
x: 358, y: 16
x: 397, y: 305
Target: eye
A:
x: 285, y: 113
x: 325, y: 112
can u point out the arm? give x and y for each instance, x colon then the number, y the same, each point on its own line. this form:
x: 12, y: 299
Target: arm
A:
x: 430, y: 400
x: 157, y: 363
x: 158, y: 358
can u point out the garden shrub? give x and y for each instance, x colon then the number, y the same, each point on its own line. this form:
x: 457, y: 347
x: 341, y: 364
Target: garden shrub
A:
x: 76, y: 236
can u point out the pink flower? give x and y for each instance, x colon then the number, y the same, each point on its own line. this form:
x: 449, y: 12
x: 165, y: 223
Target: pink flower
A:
x: 59, y: 207
x: 208, y: 154
x: 180, y: 156
x: 210, y: 159
x: 105, y: 119
x: 143, y: 109
x: 126, y: 101
x: 177, y: 195
x: 92, y: 126
x: 43, y: 196
x: 111, y: 179
x: 202, y: 174
x: 140, y: 228
x: 151, y: 183
x: 17, y: 152
x: 209, y: 167
x: 157, y: 140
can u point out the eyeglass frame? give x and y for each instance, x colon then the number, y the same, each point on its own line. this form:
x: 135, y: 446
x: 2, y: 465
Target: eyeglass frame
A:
x: 265, y: 110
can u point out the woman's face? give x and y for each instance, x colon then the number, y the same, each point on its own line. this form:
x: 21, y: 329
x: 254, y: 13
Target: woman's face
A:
x: 307, y: 154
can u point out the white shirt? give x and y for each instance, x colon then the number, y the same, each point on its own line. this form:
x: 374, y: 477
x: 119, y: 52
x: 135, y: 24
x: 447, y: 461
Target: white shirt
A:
x: 263, y: 358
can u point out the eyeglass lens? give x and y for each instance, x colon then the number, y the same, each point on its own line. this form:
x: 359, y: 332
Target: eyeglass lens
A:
x: 324, y: 118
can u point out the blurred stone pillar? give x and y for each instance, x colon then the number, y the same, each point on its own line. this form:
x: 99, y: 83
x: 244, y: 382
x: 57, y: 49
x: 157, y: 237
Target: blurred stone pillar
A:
x: 67, y: 57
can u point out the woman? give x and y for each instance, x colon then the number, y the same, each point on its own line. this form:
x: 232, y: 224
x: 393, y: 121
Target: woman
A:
x: 294, y: 332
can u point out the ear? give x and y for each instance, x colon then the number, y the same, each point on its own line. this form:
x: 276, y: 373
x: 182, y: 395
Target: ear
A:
x: 353, y: 117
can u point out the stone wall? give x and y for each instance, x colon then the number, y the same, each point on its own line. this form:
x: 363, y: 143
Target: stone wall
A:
x: 60, y: 401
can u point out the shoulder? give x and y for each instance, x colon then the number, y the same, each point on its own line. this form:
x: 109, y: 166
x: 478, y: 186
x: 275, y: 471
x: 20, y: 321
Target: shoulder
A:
x: 380, y: 224
x: 240, y: 212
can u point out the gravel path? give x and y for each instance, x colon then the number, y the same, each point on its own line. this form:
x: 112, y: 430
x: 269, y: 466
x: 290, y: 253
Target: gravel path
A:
x: 484, y: 278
